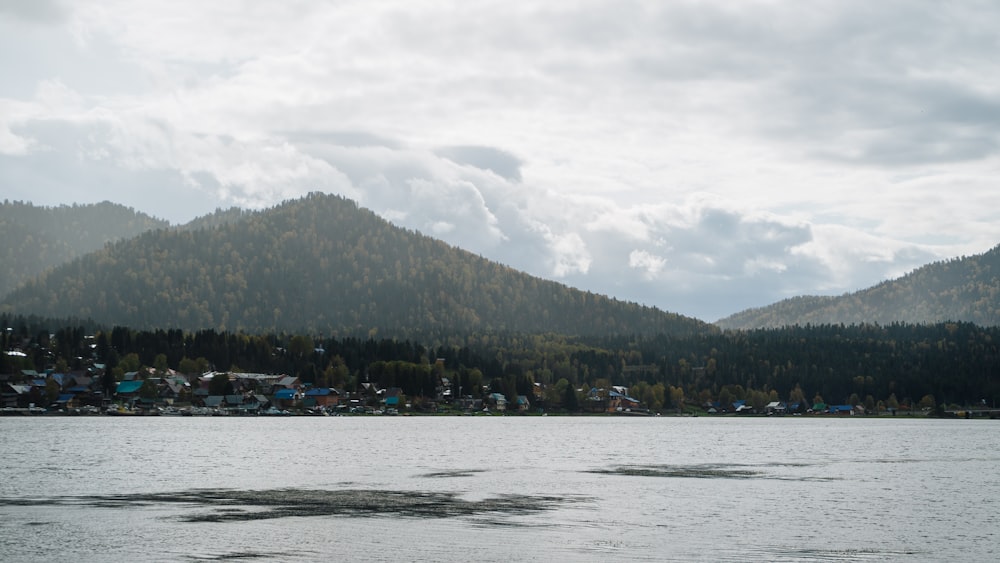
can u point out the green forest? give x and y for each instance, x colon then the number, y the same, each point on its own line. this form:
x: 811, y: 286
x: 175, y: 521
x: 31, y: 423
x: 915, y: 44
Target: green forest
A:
x: 880, y: 367
x: 319, y: 265
x: 36, y: 239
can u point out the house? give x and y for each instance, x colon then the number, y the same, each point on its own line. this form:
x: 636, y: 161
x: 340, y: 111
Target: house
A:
x: 522, y: 403
x: 285, y: 398
x: 129, y: 389
x: 17, y: 396
x: 392, y: 397
x: 66, y: 401
x: 618, y: 401
x: 321, y: 397
x: 241, y: 404
x: 174, y: 389
x: 215, y: 401
x: 841, y: 409
x: 79, y: 381
x: 59, y: 378
x: 498, y: 401
x: 288, y: 382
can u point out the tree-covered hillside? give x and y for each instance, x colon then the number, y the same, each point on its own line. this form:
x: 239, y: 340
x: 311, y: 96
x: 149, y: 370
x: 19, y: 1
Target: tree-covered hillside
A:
x: 963, y: 289
x: 38, y: 238
x: 320, y: 264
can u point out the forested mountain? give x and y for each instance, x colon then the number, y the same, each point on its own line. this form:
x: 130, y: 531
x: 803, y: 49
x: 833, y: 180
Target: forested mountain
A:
x: 216, y: 219
x: 321, y: 265
x: 962, y: 289
x: 38, y: 238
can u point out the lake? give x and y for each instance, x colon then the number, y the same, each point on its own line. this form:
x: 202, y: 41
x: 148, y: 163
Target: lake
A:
x: 499, y: 489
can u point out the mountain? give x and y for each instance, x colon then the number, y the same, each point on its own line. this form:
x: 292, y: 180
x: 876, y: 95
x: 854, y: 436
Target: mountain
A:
x: 38, y: 238
x: 962, y: 289
x: 320, y: 264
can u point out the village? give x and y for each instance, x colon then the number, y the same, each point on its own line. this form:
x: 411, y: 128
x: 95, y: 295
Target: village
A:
x: 151, y: 393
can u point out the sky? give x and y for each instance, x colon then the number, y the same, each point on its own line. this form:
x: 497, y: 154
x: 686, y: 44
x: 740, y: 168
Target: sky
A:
x: 702, y: 157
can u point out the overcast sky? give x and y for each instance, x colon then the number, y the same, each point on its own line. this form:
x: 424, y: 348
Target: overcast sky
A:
x: 702, y: 157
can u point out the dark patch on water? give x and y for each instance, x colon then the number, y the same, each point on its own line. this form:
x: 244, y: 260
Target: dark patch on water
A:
x: 453, y: 473
x: 236, y: 555
x: 706, y: 471
x: 820, y: 555
x: 244, y: 505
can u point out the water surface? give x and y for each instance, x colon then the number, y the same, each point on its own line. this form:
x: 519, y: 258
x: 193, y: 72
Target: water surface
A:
x: 498, y: 489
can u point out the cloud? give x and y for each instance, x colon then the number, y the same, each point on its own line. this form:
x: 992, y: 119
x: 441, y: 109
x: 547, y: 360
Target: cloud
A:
x: 33, y: 11
x: 495, y: 160
x: 699, y: 156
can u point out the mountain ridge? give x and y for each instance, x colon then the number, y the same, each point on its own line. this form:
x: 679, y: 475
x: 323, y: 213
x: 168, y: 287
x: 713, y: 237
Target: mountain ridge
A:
x: 321, y: 264
x: 963, y: 289
x: 37, y: 238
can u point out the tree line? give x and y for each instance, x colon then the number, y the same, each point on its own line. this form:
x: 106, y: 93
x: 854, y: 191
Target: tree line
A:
x: 892, y: 366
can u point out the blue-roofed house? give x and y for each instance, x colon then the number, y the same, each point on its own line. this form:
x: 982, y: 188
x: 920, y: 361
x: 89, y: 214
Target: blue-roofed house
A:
x: 522, y: 403
x: 498, y: 401
x: 392, y: 396
x: 129, y: 388
x: 285, y: 398
x: 321, y: 397
x: 66, y: 401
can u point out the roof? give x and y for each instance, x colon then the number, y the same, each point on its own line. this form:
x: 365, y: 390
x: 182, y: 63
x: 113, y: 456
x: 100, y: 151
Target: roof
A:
x: 129, y: 386
x: 288, y: 381
x: 82, y: 380
x: 321, y: 392
x: 622, y: 396
x: 285, y: 394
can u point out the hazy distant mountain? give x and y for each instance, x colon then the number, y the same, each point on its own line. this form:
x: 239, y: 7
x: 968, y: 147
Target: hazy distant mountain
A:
x: 962, y: 289
x: 216, y: 219
x: 320, y: 264
x: 35, y: 239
